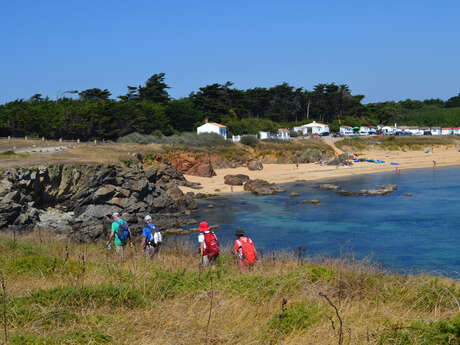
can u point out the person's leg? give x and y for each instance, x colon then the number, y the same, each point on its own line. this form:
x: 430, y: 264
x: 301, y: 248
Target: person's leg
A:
x: 119, y: 250
x: 213, y: 262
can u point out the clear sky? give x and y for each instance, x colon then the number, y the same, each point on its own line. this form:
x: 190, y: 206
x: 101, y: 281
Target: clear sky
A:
x: 386, y: 50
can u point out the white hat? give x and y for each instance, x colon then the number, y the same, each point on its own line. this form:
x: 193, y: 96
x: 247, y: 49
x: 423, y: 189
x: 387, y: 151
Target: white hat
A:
x: 115, y: 215
x: 148, y: 218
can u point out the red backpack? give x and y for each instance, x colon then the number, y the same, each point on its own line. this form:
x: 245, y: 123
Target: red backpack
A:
x: 248, y: 250
x: 212, y: 246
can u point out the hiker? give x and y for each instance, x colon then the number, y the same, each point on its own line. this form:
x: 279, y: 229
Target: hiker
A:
x: 209, y: 247
x: 244, y: 250
x: 120, y: 234
x: 151, y: 237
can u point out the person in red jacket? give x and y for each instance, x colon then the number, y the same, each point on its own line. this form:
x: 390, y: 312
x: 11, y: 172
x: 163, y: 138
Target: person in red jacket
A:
x: 244, y: 250
x: 209, y: 246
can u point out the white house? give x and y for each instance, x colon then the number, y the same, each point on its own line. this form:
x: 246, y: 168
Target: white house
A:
x: 415, y: 131
x: 456, y: 131
x: 446, y: 131
x: 367, y: 130
x: 283, y: 133
x: 346, y: 131
x: 435, y: 131
x: 389, y: 130
x: 314, y: 128
x: 213, y: 127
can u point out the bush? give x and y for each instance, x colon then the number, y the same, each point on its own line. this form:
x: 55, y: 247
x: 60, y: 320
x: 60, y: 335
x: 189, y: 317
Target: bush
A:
x: 298, y: 316
x: 187, y: 139
x: 435, y: 333
x: 249, y: 140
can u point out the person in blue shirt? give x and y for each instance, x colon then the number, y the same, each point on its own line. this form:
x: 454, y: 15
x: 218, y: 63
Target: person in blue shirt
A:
x: 151, y: 237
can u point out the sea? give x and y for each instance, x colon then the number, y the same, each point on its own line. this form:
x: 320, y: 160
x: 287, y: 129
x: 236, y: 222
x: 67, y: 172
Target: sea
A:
x: 398, y: 233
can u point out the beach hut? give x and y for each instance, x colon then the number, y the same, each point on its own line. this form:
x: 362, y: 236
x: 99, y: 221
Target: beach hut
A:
x: 212, y: 127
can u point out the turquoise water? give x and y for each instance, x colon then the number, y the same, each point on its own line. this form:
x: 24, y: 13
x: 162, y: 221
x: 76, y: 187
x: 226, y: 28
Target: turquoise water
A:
x: 400, y: 233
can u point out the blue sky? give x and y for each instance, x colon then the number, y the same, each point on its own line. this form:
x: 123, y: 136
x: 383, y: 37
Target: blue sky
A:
x: 386, y: 50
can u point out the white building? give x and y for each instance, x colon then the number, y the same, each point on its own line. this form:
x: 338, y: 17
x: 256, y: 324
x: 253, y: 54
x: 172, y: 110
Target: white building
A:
x: 415, y: 131
x: 456, y: 131
x: 346, y: 131
x: 447, y: 131
x: 367, y: 130
x: 283, y: 133
x: 213, y: 127
x: 389, y: 130
x: 435, y: 131
x: 314, y: 128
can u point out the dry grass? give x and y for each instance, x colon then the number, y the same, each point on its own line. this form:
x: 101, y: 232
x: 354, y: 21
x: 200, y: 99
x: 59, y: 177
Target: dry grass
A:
x: 64, y: 293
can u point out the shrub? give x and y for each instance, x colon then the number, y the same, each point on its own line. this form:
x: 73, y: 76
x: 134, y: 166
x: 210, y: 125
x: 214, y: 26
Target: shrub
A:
x: 435, y: 333
x: 187, y: 139
x: 249, y: 140
x: 322, y: 273
x: 298, y: 316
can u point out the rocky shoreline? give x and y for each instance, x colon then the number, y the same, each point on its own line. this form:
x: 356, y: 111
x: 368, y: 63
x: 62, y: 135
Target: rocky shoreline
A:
x: 75, y: 201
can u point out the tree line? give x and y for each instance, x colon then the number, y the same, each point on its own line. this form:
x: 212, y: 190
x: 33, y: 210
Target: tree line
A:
x: 149, y: 109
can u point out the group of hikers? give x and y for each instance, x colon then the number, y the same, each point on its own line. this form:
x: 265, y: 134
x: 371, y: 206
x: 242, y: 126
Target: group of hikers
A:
x: 243, y: 250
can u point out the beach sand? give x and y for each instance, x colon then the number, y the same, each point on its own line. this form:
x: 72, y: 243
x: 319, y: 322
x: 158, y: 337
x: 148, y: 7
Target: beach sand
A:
x: 284, y: 173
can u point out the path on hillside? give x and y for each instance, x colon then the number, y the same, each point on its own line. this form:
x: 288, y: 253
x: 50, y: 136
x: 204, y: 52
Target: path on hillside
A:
x: 331, y: 142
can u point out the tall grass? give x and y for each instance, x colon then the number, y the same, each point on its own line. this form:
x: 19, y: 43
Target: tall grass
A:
x: 167, y: 300
x: 397, y: 143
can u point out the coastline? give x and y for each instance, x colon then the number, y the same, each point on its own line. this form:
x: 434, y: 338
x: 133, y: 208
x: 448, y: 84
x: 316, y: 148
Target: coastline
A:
x: 288, y: 173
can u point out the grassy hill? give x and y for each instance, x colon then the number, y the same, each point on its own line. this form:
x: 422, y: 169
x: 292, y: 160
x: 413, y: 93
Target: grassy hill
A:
x: 64, y: 293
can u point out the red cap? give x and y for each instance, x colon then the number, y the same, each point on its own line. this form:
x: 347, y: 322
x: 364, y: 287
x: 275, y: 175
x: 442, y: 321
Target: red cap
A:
x: 204, y: 226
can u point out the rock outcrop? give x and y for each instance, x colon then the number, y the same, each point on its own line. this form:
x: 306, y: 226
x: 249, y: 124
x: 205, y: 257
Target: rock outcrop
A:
x: 262, y: 187
x: 255, y: 165
x: 193, y: 166
x: 77, y: 200
x: 382, y: 190
x: 236, y: 180
x: 343, y: 159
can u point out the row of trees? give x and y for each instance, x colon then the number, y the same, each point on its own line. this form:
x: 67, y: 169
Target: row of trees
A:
x: 149, y: 109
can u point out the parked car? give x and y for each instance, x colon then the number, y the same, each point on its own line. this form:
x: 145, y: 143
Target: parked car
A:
x: 324, y: 134
x: 427, y: 133
x: 337, y: 135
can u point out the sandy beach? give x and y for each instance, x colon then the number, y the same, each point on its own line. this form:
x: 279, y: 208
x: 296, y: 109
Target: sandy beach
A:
x: 284, y: 173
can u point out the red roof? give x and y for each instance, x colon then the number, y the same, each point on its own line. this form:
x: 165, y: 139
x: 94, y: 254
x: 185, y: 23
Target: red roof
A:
x: 217, y: 124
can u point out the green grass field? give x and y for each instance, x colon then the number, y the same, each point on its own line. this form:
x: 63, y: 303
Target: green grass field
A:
x: 66, y: 293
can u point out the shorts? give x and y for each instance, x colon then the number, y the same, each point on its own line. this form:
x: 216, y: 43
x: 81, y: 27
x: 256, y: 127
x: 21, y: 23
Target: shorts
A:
x: 209, y: 260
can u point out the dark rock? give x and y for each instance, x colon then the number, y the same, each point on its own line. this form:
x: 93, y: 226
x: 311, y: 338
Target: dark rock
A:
x: 343, y: 159
x: 408, y: 194
x: 262, y: 187
x: 255, y: 165
x: 210, y: 206
x: 236, y: 180
x: 294, y: 194
x: 313, y: 202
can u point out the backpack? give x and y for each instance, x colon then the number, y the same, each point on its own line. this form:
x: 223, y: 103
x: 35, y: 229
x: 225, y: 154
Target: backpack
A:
x: 123, y: 230
x: 155, y: 236
x: 212, y: 246
x: 248, y: 250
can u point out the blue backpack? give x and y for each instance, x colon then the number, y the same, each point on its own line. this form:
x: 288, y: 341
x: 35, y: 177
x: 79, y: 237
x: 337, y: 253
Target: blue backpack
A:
x: 123, y: 230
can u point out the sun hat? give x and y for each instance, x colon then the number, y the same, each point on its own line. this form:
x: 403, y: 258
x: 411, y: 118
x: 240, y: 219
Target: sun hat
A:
x: 204, y: 226
x: 240, y: 232
x: 148, y: 218
x: 115, y: 215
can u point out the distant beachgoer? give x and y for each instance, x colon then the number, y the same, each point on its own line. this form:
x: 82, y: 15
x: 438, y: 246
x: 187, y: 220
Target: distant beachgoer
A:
x: 297, y: 162
x: 151, y: 238
x: 121, y: 235
x: 434, y: 164
x: 209, y: 246
x: 244, y: 250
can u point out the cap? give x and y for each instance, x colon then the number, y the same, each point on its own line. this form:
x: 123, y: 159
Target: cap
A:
x: 147, y: 218
x: 115, y: 215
